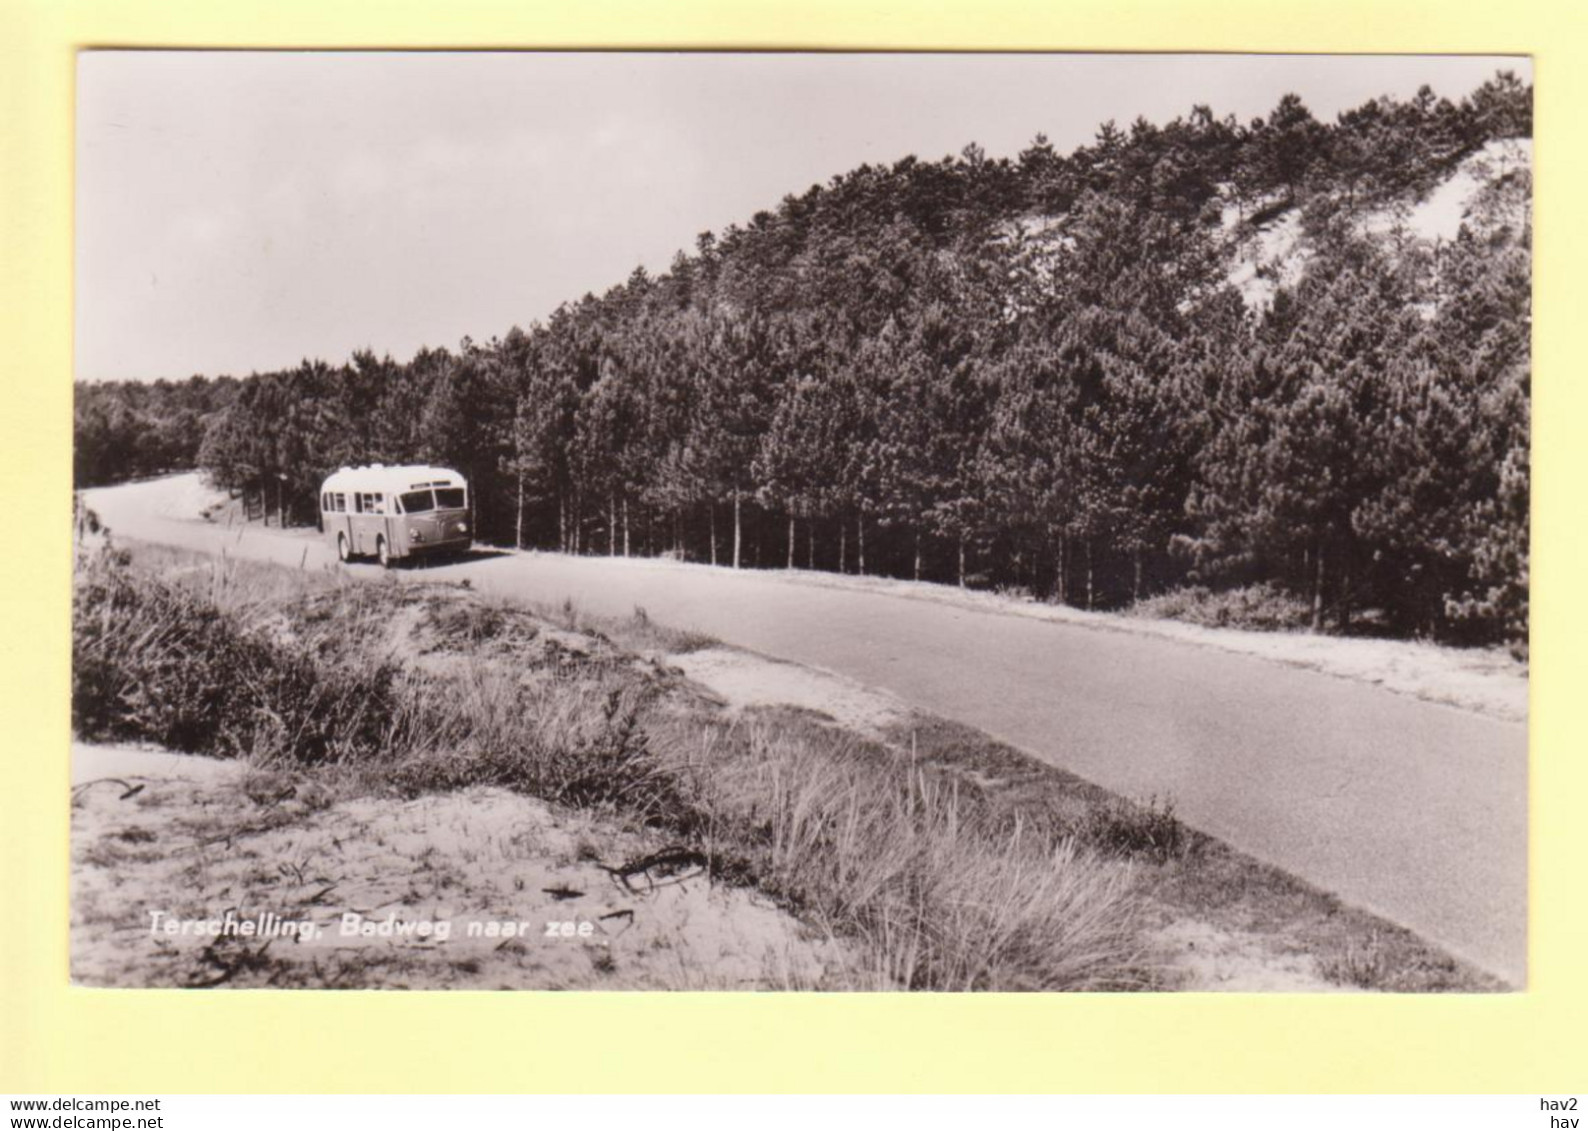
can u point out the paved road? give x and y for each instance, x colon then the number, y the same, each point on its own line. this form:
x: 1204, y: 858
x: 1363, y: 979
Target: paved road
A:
x: 1413, y: 810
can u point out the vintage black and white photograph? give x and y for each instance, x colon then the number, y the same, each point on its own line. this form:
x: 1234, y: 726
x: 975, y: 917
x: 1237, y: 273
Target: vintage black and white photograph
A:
x: 669, y: 521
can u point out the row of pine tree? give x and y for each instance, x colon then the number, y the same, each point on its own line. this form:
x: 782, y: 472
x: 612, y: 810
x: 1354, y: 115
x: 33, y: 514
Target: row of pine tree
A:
x: 1029, y: 373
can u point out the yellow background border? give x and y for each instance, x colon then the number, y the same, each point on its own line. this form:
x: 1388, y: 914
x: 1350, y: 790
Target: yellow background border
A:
x: 57, y: 1038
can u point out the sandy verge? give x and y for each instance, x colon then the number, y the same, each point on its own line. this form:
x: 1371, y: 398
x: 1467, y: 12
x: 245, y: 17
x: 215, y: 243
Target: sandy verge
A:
x: 93, y: 764
x: 743, y: 679
x: 192, y: 838
x: 1211, y: 959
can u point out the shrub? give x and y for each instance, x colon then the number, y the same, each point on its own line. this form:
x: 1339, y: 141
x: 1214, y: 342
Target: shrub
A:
x: 182, y: 665
x: 464, y: 623
x: 158, y: 662
x: 1127, y: 829
x: 569, y: 739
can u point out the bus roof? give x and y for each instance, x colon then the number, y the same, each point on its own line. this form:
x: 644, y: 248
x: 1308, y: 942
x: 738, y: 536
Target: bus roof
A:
x: 392, y: 480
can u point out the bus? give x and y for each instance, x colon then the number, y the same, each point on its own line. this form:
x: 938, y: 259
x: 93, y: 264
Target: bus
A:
x: 393, y: 513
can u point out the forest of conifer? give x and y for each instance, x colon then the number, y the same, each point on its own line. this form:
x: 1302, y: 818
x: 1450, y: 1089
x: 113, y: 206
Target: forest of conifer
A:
x: 1030, y: 373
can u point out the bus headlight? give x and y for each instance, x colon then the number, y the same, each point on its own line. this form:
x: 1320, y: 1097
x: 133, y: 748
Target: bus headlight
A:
x: 416, y: 535
x: 463, y: 528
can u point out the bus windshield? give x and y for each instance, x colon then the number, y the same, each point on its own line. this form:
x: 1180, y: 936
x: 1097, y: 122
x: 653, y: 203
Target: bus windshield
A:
x: 417, y: 502
x: 449, y: 497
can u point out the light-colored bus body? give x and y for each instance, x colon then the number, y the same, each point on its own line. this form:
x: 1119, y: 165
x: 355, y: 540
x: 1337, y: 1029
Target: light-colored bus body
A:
x: 392, y: 513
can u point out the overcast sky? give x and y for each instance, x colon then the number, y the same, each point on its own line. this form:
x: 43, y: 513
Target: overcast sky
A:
x: 242, y: 211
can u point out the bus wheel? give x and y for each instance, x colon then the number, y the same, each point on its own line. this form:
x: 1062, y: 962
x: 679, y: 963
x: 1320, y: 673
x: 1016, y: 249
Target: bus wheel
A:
x: 343, y: 554
x: 383, y: 551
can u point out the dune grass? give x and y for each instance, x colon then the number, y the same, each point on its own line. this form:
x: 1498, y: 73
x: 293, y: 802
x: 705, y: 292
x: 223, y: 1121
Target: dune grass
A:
x: 408, y: 689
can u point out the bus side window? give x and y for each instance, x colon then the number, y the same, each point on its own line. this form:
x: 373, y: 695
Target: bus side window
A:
x: 378, y: 503
x: 358, y: 503
x: 341, y: 502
